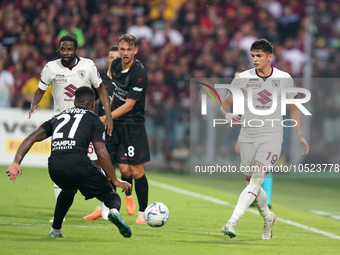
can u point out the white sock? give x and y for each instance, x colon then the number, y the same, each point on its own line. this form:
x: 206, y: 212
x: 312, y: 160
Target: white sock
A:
x: 57, y: 191
x: 57, y: 231
x: 104, y: 211
x: 247, y: 196
x: 261, y: 203
x: 114, y: 210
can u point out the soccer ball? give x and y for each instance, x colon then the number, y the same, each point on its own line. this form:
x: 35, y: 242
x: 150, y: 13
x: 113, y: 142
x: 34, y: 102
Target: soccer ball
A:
x: 156, y: 214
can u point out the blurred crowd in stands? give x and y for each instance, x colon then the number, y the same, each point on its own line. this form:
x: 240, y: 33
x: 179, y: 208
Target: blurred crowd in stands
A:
x: 178, y: 40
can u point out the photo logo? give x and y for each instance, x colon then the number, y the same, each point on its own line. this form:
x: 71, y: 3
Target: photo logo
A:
x: 204, y: 97
x: 265, y: 98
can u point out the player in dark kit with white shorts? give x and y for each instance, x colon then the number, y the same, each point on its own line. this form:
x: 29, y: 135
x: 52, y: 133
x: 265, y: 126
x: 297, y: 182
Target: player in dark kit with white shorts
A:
x: 69, y: 166
x: 130, y: 81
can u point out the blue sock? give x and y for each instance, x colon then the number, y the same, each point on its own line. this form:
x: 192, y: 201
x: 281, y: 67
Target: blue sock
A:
x: 267, y: 186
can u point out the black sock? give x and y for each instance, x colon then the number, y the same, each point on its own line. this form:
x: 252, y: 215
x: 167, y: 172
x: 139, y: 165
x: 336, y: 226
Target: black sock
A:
x: 142, y: 188
x: 112, y: 200
x: 64, y: 202
x: 129, y: 180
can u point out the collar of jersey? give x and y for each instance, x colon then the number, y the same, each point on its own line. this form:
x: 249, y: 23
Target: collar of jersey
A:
x: 126, y: 70
x: 264, y: 77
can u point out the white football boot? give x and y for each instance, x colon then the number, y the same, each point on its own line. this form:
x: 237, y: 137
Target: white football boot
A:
x: 267, y: 232
x: 229, y: 230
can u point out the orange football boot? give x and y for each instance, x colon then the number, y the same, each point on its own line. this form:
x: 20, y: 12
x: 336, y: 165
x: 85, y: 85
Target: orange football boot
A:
x: 92, y: 216
x: 130, y: 205
x: 140, y: 218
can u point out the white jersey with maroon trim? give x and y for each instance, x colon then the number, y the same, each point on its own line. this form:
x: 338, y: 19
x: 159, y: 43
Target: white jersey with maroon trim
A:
x: 265, y: 127
x: 65, y: 81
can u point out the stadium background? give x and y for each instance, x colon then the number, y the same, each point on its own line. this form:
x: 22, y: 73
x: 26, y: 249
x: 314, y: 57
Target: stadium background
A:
x: 179, y: 40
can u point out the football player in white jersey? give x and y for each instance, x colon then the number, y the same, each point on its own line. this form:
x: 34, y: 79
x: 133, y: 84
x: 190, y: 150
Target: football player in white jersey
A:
x: 260, y: 147
x: 66, y: 75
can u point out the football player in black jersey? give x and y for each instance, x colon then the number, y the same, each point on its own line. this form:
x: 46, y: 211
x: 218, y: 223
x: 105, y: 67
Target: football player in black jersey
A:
x: 102, y: 210
x: 130, y: 81
x: 69, y: 166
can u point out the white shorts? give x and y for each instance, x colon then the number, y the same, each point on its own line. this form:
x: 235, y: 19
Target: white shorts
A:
x: 265, y: 152
x: 91, y: 153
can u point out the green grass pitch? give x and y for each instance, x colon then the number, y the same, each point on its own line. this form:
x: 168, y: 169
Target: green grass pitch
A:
x: 27, y: 205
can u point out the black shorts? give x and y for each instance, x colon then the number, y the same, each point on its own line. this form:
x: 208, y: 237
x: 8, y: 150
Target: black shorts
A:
x: 128, y: 144
x: 90, y: 180
x: 120, y: 158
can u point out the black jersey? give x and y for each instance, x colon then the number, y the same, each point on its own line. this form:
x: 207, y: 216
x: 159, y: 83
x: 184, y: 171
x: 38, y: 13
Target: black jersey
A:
x: 131, y: 84
x: 109, y: 88
x: 72, y: 131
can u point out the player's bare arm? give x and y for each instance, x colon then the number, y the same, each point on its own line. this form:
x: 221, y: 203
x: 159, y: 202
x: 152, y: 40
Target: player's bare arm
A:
x: 105, y: 163
x: 14, y: 169
x: 225, y: 111
x: 125, y: 108
x: 38, y: 94
x: 104, y: 97
x: 296, y: 115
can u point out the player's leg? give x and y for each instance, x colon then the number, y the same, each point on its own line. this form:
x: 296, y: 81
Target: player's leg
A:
x: 98, y: 211
x: 127, y: 176
x: 122, y: 160
x: 268, y: 154
x: 64, y: 200
x: 255, y: 178
x: 104, y: 210
x: 113, y: 202
x: 261, y: 204
x: 57, y: 191
x: 93, y: 183
x: 141, y: 189
x: 267, y: 185
x: 111, y: 145
x: 248, y: 195
x: 135, y: 141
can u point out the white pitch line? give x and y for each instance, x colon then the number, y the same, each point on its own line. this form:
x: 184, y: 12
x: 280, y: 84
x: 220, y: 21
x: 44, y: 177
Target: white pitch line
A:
x: 43, y: 224
x: 327, y: 214
x: 221, y: 202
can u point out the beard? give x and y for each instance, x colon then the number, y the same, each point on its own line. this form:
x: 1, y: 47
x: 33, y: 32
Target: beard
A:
x: 67, y: 62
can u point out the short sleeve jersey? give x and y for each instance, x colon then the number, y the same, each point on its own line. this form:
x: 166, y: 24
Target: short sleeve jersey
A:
x: 72, y: 130
x: 263, y: 89
x: 65, y: 81
x: 130, y: 83
x: 108, y: 84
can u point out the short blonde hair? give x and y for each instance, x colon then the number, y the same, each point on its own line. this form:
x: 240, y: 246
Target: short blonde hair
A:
x: 130, y: 39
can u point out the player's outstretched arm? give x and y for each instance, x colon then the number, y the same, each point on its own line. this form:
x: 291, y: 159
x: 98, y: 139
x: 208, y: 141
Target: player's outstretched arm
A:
x: 38, y: 94
x: 296, y: 115
x: 104, y: 98
x: 105, y: 163
x: 14, y: 169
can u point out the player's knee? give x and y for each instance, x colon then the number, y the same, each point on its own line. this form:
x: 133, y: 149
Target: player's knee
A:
x: 261, y: 167
x: 256, y: 181
x: 137, y: 171
x: 124, y: 170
